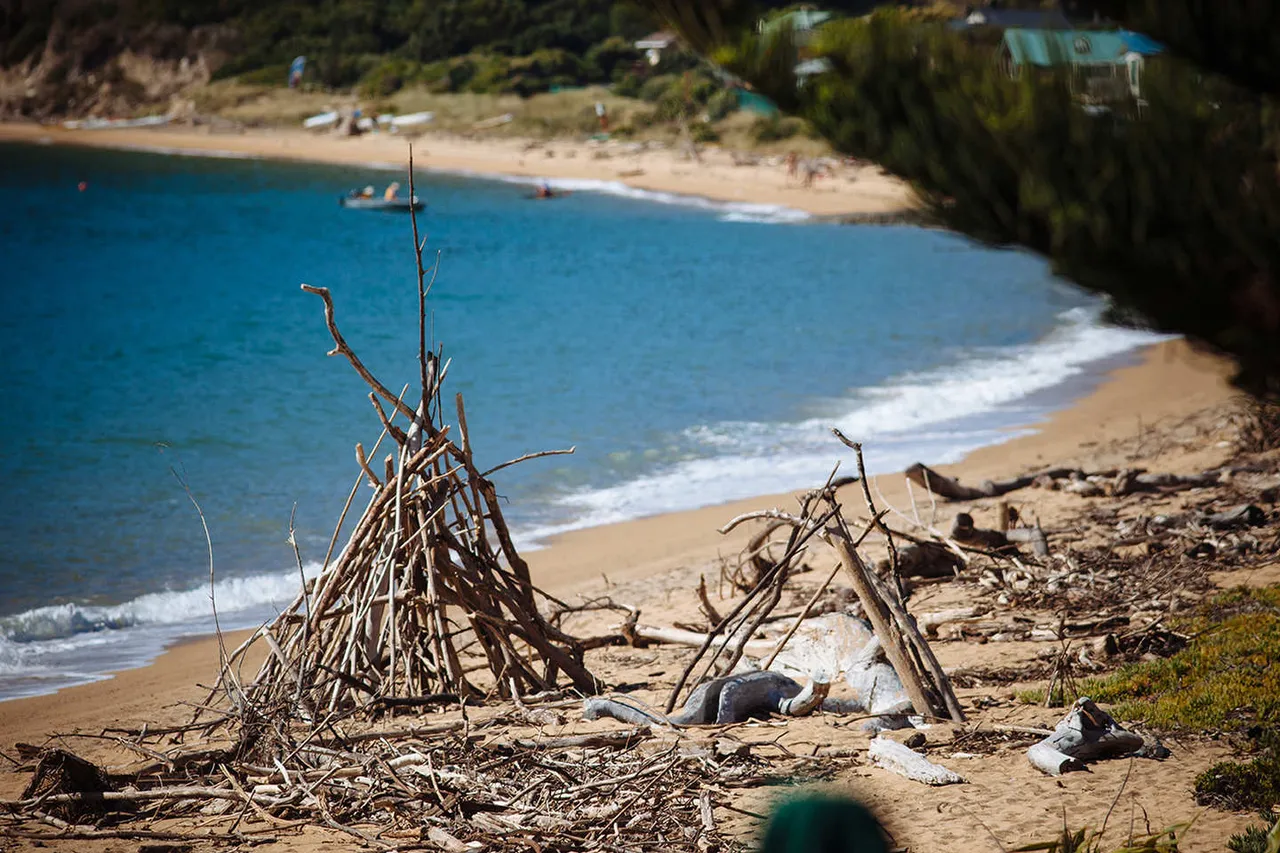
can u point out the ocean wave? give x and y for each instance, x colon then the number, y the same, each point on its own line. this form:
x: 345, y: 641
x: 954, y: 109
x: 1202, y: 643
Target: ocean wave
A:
x: 939, y: 415
x: 47, y: 648
x: 170, y: 151
x: 729, y: 211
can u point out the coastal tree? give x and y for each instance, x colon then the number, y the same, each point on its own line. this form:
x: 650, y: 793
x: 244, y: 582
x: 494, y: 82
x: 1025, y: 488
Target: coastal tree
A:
x: 1168, y: 205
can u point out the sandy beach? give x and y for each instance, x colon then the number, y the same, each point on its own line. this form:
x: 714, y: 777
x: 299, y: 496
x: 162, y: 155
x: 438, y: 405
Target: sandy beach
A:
x: 1168, y: 412
x: 850, y: 192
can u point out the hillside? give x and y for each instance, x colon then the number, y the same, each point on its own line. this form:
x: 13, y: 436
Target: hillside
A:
x: 116, y: 56
x: 62, y: 58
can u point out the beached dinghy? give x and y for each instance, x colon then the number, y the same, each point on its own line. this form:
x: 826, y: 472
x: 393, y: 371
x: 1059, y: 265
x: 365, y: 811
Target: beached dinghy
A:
x: 390, y: 205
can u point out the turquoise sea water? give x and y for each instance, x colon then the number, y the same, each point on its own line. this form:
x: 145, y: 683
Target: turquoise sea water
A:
x: 693, y: 352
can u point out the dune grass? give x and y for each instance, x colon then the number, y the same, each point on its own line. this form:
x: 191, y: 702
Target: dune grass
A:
x: 1226, y: 679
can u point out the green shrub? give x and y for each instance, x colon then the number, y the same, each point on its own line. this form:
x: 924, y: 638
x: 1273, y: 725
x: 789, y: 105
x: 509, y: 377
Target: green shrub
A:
x: 628, y: 85
x: 775, y: 129
x: 654, y: 88
x: 721, y: 104
x: 702, y: 133
x: 271, y: 75
x: 1238, y: 786
x: 611, y: 58
x: 1258, y: 839
x: 488, y: 75
x: 389, y: 77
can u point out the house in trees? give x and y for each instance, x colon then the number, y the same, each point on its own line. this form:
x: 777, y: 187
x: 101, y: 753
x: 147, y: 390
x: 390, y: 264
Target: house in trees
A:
x: 655, y: 43
x: 802, y: 23
x: 1105, y: 66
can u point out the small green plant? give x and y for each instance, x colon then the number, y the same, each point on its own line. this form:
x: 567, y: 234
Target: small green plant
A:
x: 1240, y: 786
x: 1258, y: 839
x: 654, y: 88
x: 702, y: 133
x: 721, y: 104
x: 776, y: 129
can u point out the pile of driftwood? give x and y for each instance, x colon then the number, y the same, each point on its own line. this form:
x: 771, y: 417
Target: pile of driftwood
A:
x: 880, y: 598
x: 489, y: 783
x: 429, y: 602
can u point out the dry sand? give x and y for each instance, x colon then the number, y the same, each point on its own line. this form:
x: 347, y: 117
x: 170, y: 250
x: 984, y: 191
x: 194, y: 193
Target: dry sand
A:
x: 1166, y: 413
x: 859, y: 190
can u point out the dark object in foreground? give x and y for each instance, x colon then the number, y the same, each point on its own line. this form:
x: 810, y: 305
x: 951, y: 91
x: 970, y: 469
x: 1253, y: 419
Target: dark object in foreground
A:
x: 824, y: 824
x: 62, y: 772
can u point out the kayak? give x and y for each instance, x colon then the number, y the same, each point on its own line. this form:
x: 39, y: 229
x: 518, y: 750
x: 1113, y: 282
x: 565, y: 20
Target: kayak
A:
x: 395, y: 205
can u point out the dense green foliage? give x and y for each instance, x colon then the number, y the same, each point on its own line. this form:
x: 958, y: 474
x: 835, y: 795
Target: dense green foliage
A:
x: 1170, y: 206
x: 346, y: 40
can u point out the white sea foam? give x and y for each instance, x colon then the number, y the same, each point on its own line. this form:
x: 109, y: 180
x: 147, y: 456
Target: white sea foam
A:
x: 56, y: 646
x: 729, y: 211
x: 939, y: 416
x: 215, y: 153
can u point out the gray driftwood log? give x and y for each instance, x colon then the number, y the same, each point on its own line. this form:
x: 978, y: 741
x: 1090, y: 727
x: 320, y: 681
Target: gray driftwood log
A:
x: 731, y: 699
x: 1086, y: 733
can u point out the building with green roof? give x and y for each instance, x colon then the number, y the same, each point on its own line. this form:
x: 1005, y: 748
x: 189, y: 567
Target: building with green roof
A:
x: 1104, y: 66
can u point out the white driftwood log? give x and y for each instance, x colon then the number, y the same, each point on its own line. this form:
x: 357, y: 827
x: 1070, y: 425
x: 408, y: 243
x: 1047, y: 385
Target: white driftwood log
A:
x: 896, y: 758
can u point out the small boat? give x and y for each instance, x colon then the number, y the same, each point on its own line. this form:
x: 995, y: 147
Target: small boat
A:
x: 389, y: 205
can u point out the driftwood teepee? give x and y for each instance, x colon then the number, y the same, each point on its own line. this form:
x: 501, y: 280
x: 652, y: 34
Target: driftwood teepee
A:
x: 429, y: 599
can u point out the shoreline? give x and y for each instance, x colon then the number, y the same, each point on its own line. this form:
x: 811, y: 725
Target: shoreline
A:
x: 1169, y: 381
x: 855, y: 194
x: 140, y: 644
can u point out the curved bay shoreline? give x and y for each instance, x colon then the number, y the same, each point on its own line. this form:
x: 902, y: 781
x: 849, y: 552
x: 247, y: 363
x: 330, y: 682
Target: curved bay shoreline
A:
x: 1171, y: 383
x: 862, y: 192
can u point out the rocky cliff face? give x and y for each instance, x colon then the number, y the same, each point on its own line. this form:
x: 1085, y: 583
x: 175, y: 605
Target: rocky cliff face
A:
x: 110, y: 72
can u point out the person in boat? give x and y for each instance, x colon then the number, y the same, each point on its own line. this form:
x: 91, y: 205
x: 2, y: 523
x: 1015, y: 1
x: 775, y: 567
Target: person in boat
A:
x: 367, y: 192
x: 393, y: 191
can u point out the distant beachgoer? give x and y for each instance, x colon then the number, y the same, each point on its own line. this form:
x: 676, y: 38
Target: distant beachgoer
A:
x: 811, y: 171
x: 793, y: 162
x: 393, y: 190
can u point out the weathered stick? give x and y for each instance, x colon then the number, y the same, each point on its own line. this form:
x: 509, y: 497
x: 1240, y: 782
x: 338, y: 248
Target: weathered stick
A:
x: 896, y: 758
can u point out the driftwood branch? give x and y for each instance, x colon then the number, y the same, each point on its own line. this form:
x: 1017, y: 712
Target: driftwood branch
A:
x: 896, y: 758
